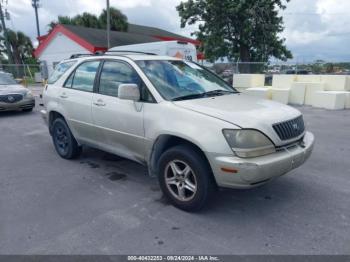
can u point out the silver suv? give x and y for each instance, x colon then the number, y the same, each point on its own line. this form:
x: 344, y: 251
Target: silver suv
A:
x: 189, y: 127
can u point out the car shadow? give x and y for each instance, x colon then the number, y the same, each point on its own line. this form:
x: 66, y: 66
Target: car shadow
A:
x: 259, y: 201
x: 14, y: 113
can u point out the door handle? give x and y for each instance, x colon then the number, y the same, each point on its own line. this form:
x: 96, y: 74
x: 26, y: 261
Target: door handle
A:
x: 63, y: 95
x: 99, y: 102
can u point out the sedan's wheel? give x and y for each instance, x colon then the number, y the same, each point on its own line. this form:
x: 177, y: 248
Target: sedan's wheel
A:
x: 185, y: 177
x: 65, y: 144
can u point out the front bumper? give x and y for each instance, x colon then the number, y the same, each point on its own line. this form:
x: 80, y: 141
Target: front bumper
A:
x: 256, y: 171
x: 26, y: 103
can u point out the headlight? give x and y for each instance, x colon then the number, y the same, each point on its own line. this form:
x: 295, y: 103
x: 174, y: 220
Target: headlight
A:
x: 29, y: 94
x: 248, y: 143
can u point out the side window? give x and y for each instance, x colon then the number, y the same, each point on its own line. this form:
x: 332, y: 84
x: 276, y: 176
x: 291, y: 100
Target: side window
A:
x: 115, y: 73
x: 84, y: 76
x: 60, y: 69
x: 69, y: 81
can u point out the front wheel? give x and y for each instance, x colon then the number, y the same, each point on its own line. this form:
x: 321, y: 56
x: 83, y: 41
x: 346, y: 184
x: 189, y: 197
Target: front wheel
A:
x: 185, y: 178
x: 63, y: 140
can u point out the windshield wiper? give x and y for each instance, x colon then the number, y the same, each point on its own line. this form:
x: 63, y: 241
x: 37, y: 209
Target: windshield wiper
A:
x: 191, y: 96
x: 217, y: 92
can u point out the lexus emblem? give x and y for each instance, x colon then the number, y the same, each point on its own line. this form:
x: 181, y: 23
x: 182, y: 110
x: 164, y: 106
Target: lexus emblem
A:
x: 295, y: 127
x: 10, y: 98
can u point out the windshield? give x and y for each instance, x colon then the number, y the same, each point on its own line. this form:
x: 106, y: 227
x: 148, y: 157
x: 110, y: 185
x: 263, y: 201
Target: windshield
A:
x: 7, y: 80
x: 179, y: 80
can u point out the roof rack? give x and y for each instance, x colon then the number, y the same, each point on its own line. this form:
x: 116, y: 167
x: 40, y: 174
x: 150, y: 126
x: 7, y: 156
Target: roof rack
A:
x: 127, y: 51
x: 110, y: 53
x: 80, y: 55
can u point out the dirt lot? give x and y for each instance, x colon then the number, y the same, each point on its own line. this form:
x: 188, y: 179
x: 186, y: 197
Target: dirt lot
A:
x: 103, y: 204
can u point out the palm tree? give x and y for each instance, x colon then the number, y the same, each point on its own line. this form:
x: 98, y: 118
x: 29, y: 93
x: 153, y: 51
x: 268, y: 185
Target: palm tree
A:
x: 21, y: 47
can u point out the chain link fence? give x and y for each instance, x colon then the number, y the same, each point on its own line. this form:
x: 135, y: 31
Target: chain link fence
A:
x: 25, y: 73
x: 227, y: 70
x: 36, y: 73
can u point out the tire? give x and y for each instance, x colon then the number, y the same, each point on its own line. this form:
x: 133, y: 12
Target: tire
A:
x: 178, y: 190
x: 64, y: 141
x: 28, y: 110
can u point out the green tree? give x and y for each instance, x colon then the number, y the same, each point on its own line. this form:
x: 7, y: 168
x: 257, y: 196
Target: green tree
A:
x: 21, y: 46
x: 238, y: 29
x: 87, y: 20
x: 119, y: 22
x: 22, y: 52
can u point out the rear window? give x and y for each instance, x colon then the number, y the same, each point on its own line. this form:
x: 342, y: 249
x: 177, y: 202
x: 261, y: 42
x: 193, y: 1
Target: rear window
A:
x: 60, y: 70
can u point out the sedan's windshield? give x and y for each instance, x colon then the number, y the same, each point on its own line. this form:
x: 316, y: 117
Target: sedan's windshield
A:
x: 6, y: 80
x: 179, y: 80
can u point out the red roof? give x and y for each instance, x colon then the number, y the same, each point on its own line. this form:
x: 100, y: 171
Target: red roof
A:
x: 93, y: 39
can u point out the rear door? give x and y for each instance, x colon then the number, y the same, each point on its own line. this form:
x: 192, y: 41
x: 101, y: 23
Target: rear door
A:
x: 76, y: 98
x: 119, y: 123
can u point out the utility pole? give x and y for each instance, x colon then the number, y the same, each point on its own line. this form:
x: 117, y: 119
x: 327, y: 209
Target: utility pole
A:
x: 35, y: 4
x: 108, y: 25
x: 7, y: 43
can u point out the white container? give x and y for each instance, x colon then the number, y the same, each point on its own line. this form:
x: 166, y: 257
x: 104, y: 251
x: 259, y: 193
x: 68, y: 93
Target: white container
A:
x: 248, y: 80
x: 261, y: 92
x: 280, y: 95
x: 297, y: 93
x: 347, y: 100
x: 283, y: 81
x: 311, y: 89
x: 336, y: 82
x: 333, y: 100
x: 183, y: 50
x: 309, y: 78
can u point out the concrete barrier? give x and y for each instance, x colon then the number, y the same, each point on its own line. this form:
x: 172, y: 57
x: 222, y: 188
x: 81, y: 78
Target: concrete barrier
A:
x: 248, y: 80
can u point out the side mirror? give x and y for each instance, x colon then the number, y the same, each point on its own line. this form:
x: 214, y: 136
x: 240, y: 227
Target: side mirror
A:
x: 129, y: 92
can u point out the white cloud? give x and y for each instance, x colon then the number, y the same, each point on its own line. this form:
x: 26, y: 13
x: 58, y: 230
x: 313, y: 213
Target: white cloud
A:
x: 314, y: 28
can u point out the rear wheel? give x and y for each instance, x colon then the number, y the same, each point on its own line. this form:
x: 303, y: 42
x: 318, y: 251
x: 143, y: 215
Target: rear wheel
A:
x: 63, y: 140
x: 185, y: 178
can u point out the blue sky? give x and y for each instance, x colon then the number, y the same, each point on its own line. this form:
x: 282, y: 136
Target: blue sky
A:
x: 314, y: 29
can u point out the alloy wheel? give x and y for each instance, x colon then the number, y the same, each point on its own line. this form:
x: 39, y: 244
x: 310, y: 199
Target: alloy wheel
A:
x: 180, y: 180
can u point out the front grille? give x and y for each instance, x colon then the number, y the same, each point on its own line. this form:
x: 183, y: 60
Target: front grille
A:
x: 11, y: 98
x: 290, y: 129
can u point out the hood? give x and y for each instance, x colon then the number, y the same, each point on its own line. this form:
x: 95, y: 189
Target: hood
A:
x: 244, y: 111
x: 12, y: 89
